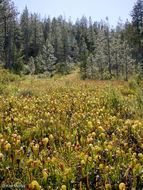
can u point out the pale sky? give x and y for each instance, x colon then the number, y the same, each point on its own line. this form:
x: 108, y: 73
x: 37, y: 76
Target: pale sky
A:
x: 97, y: 9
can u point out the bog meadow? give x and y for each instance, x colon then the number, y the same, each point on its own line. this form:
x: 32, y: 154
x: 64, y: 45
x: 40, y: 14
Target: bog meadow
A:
x: 71, y: 102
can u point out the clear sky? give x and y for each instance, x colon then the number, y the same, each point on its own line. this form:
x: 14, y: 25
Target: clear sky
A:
x: 97, y: 9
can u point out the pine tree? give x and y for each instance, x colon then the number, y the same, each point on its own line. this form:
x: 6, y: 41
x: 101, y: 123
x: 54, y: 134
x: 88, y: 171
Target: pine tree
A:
x: 17, y: 60
x: 83, y: 58
x: 74, y: 50
x: 57, y: 38
x: 107, y: 34
x: 116, y: 50
x: 47, y: 30
x: 46, y: 59
x: 91, y: 32
x: 31, y: 65
x: 100, y: 51
x: 7, y: 23
x: 36, y: 35
x: 25, y: 33
x: 81, y: 33
x: 137, y: 23
x: 90, y: 67
x: 65, y: 40
x: 128, y: 61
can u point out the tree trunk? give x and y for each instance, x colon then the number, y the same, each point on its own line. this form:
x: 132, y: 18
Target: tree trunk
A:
x: 5, y: 43
x: 126, y: 69
x: 101, y: 71
x: 117, y: 67
x: 109, y: 58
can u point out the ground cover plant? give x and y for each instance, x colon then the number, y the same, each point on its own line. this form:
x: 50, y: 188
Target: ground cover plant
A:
x: 65, y: 133
x: 71, y: 98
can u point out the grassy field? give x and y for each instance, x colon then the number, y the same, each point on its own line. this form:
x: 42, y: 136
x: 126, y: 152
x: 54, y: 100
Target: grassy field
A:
x: 66, y: 133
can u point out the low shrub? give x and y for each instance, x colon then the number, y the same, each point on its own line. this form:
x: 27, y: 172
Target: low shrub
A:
x: 132, y: 84
x: 5, y: 78
x: 28, y: 93
x: 127, y: 91
x: 114, y: 98
x: 64, y: 68
x: 107, y: 75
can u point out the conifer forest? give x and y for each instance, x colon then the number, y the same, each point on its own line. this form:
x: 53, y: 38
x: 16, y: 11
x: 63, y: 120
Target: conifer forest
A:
x: 71, y: 101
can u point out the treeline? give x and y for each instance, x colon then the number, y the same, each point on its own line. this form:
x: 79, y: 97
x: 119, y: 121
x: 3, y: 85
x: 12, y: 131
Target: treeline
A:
x: 32, y: 45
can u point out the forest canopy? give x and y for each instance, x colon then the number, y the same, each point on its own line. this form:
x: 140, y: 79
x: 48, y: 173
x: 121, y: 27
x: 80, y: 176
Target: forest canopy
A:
x: 31, y: 45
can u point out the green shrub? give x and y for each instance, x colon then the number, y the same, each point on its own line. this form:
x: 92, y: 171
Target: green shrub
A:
x: 26, y: 70
x: 2, y: 88
x: 114, y: 98
x: 139, y: 78
x: 45, y: 75
x: 107, y: 75
x: 48, y: 74
x: 5, y: 78
x: 83, y: 76
x: 27, y: 93
x: 64, y: 68
x: 132, y: 84
x: 139, y: 98
x: 127, y: 91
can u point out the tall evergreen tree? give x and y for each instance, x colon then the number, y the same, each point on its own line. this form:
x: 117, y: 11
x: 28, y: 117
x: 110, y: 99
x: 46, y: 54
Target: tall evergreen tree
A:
x: 25, y: 32
x: 54, y: 41
x: 107, y: 33
x: 83, y: 57
x: 137, y: 22
x: 47, y: 30
x: 57, y: 38
x: 117, y: 50
x: 36, y: 35
x: 128, y: 61
x: 7, y: 23
x: 46, y: 60
x: 65, y: 40
x: 90, y: 67
x: 100, y: 51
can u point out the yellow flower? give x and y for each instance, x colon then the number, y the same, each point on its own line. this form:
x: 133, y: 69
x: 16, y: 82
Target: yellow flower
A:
x: 101, y: 129
x: 69, y: 144
x: 109, y: 147
x: 100, y: 166
x: 7, y: 146
x: 45, y: 174
x: 122, y: 186
x: 68, y: 170
x: 108, y: 186
x: 35, y: 149
x: 47, y: 114
x: 140, y: 155
x: 53, y: 160
x: 93, y: 134
x: 51, y: 137
x: 1, y: 156
x: 90, y: 124
x: 63, y: 187
x: 102, y: 135
x: 82, y: 162
x: 34, y: 185
x: 45, y: 141
x: 15, y: 119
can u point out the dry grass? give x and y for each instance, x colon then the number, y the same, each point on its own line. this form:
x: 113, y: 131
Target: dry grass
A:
x: 73, y: 81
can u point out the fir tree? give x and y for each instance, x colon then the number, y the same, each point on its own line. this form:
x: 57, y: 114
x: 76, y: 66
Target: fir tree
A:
x: 25, y: 33
x: 46, y: 59
x: 90, y: 67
